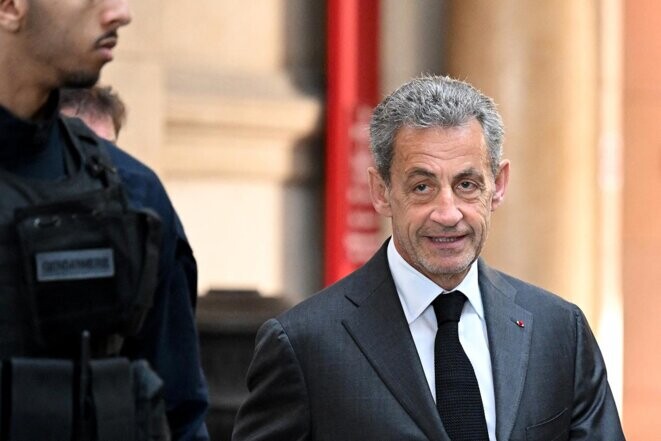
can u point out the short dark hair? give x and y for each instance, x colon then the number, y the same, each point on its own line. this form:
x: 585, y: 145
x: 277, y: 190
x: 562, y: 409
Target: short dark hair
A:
x: 96, y: 101
x: 433, y: 101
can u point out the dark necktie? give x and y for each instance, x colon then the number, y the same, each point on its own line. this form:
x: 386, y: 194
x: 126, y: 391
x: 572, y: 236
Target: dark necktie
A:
x: 457, y: 393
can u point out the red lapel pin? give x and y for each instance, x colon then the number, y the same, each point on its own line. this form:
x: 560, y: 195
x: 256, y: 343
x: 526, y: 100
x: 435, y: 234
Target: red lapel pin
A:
x: 520, y: 324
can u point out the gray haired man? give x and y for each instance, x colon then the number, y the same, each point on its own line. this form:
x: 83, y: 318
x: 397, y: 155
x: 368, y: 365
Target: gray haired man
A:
x: 426, y: 341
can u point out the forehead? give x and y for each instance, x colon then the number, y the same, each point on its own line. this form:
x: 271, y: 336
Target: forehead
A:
x: 438, y: 145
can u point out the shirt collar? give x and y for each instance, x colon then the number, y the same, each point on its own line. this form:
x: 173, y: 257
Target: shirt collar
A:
x: 416, y: 291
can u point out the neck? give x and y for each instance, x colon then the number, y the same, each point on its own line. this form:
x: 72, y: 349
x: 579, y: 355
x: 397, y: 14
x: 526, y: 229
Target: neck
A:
x: 22, y: 92
x: 25, y: 104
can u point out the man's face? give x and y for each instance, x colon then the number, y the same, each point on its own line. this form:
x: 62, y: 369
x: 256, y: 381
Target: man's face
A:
x: 71, y: 40
x: 440, y: 198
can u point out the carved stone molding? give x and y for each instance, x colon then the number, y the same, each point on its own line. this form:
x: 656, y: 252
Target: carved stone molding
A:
x: 262, y: 127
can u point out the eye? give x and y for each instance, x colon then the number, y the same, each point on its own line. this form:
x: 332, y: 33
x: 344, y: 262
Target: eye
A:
x: 467, y: 186
x: 421, y: 188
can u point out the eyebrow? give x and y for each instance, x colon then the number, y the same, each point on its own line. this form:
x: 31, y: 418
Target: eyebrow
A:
x: 417, y: 171
x: 470, y: 172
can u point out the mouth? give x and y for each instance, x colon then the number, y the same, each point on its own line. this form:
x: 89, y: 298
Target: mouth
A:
x: 447, y: 242
x: 106, y: 43
x: 446, y: 239
x: 107, y: 39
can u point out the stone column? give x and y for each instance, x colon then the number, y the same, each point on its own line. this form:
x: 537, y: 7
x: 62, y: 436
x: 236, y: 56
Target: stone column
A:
x: 538, y: 60
x: 641, y: 214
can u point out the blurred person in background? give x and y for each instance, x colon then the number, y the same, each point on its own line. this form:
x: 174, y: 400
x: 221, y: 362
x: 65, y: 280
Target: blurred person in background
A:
x: 97, y: 278
x: 426, y: 341
x: 100, y: 108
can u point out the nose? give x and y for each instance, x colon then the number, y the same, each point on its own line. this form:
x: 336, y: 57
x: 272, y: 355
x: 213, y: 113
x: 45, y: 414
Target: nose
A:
x: 117, y: 13
x: 445, y: 211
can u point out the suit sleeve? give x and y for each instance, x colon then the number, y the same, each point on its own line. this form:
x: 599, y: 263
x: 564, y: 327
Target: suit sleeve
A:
x: 277, y: 405
x: 594, y: 413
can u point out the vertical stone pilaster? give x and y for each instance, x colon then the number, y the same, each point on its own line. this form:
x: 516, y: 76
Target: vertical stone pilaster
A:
x: 538, y: 60
x: 641, y: 245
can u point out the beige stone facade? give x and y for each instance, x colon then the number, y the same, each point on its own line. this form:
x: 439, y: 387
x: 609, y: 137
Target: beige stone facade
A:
x: 226, y: 102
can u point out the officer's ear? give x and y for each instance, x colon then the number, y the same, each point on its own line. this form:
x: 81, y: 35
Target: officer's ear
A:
x: 12, y: 13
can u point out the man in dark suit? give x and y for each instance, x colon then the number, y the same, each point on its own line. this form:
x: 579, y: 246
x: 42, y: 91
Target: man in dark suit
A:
x: 425, y: 341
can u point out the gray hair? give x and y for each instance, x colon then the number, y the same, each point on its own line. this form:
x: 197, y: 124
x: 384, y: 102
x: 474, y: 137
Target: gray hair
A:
x: 433, y: 101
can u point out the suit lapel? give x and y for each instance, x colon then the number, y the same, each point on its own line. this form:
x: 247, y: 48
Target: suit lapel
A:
x: 379, y: 328
x: 509, y: 345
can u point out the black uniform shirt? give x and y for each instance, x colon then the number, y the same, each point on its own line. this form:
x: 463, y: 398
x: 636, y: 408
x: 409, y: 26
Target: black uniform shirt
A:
x: 33, y: 149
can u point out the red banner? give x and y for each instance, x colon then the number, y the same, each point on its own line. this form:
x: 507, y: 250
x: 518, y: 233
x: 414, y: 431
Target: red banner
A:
x: 352, y: 232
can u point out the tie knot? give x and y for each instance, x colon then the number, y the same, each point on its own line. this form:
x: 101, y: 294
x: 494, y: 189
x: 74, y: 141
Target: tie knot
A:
x: 448, y: 307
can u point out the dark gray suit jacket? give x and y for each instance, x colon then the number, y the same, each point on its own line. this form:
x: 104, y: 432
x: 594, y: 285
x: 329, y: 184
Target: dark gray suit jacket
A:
x: 342, y: 366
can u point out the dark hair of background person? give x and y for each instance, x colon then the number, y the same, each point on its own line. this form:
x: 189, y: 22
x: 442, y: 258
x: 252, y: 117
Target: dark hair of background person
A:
x: 96, y: 101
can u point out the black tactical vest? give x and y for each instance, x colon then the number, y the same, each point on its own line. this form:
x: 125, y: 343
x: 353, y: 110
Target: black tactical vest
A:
x: 78, y: 269
x: 73, y: 256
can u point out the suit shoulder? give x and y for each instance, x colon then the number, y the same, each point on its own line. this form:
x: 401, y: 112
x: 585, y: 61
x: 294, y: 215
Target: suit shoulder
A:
x: 534, y: 297
x: 320, y: 313
x: 325, y: 301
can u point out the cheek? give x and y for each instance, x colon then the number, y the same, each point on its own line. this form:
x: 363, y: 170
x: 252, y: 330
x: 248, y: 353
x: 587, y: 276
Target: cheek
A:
x: 408, y: 215
x: 401, y: 205
x: 478, y: 213
x: 485, y: 203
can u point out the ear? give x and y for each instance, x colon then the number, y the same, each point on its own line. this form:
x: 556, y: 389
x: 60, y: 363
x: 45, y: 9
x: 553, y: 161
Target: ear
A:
x: 12, y: 13
x: 501, y: 184
x: 379, y: 193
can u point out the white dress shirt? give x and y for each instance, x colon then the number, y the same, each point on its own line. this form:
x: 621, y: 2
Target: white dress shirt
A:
x: 416, y: 294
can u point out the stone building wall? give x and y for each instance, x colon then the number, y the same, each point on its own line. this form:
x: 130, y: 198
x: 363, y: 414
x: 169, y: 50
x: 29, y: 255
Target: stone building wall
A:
x: 225, y: 101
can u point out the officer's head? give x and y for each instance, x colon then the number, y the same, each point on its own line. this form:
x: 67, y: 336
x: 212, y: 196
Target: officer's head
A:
x: 61, y: 42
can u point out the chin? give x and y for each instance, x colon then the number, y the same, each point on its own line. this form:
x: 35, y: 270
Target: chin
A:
x: 447, y: 268
x: 79, y: 80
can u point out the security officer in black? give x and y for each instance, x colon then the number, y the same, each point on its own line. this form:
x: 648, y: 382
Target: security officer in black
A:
x: 79, y: 262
